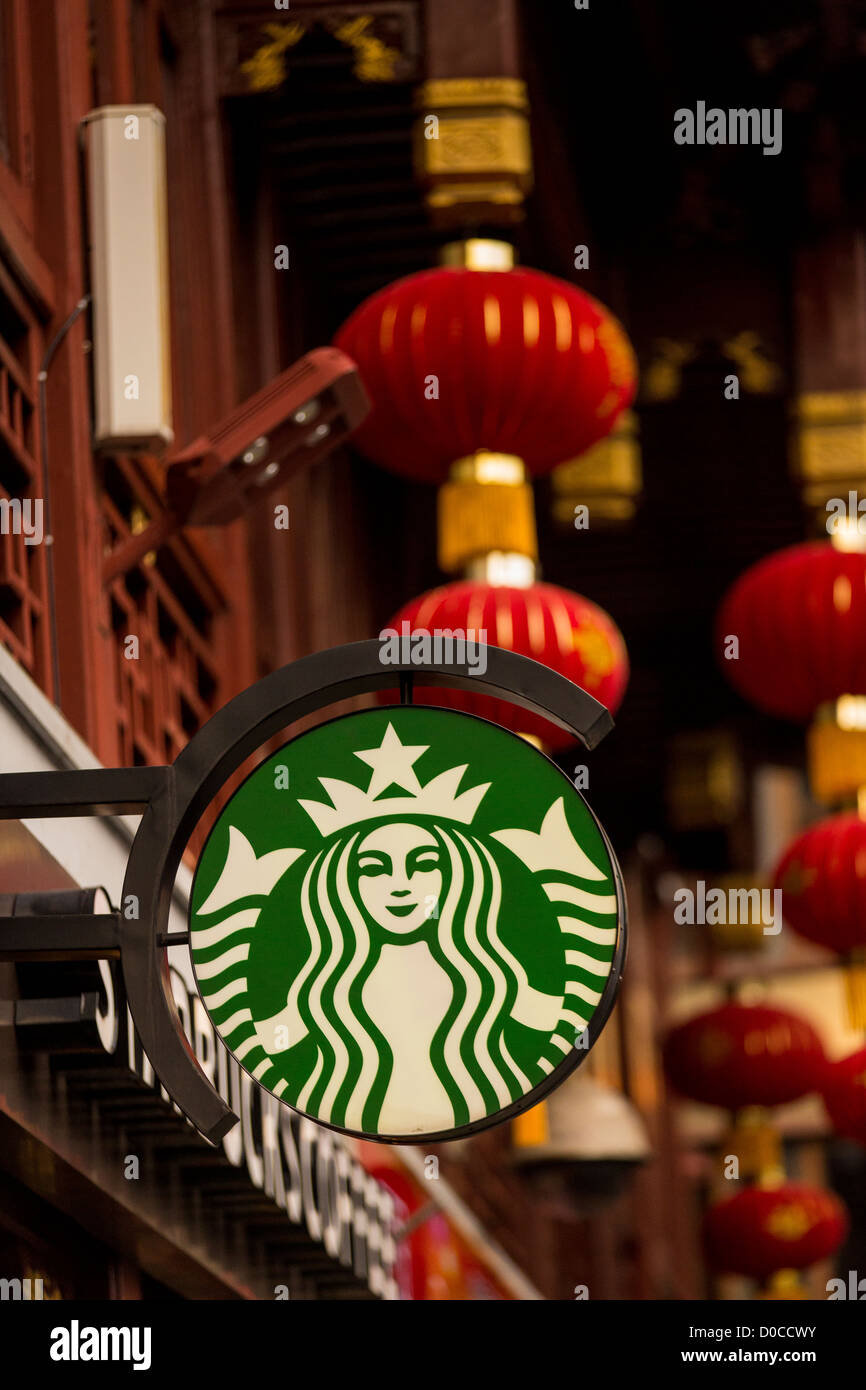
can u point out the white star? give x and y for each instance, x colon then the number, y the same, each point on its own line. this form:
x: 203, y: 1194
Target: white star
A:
x: 393, y: 762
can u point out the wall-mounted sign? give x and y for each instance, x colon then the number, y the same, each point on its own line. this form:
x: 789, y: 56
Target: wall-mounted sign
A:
x: 407, y: 924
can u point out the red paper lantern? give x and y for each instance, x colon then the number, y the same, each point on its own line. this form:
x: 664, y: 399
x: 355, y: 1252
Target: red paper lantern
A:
x: 844, y: 1092
x: 761, y: 1230
x: 510, y: 361
x: 741, y: 1055
x: 799, y: 617
x: 551, y: 625
x: 822, y: 875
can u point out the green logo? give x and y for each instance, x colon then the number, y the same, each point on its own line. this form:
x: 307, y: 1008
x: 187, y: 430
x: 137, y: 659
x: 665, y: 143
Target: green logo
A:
x: 403, y: 922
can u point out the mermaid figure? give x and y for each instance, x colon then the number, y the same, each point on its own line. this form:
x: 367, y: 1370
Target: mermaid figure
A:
x: 407, y: 1012
x: 408, y: 986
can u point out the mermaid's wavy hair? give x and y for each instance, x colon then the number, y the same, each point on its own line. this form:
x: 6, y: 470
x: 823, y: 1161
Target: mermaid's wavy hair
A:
x: 353, y: 1061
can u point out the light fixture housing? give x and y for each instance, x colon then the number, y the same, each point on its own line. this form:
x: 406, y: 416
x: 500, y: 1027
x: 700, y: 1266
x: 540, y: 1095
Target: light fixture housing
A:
x: 128, y: 234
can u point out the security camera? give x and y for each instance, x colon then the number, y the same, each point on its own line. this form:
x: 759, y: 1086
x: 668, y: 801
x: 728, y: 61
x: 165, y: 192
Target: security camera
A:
x: 292, y: 422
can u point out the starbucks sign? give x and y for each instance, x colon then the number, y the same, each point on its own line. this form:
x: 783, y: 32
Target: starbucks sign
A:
x: 407, y: 924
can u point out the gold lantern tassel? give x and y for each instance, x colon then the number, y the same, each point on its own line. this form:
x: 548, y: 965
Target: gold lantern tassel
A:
x: 836, y: 744
x: 757, y: 1146
x: 486, y: 506
x: 855, y: 989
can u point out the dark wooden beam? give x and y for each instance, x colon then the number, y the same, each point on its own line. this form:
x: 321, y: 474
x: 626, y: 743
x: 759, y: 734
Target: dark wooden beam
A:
x: 830, y: 314
x: 113, y: 66
x: 477, y: 42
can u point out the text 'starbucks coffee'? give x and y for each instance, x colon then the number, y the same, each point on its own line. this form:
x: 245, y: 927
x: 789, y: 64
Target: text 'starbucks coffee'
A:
x: 407, y: 923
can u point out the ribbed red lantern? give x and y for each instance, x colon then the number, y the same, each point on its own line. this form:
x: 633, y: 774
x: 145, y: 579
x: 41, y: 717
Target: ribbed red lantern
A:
x: 844, y: 1092
x: 822, y: 875
x: 799, y: 617
x: 761, y: 1230
x: 549, y: 624
x: 509, y: 361
x: 741, y: 1055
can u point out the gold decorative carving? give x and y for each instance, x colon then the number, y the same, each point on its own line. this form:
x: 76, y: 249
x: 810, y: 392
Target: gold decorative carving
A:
x: 497, y: 193
x: 662, y: 380
x: 833, y: 452
x: 758, y: 374
x: 375, y: 60
x: 480, y: 153
x: 441, y: 93
x: 266, y: 69
x: 480, y: 144
x: 830, y: 452
x: 831, y: 407
x: 607, y: 478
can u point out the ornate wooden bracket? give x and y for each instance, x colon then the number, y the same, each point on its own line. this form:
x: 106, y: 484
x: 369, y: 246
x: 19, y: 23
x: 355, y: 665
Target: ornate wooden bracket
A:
x: 758, y: 374
x: 256, y: 49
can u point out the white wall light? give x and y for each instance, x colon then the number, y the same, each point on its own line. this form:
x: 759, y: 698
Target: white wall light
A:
x: 128, y: 234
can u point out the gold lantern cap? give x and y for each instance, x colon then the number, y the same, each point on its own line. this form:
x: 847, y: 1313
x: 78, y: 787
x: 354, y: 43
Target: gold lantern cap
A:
x: 478, y: 253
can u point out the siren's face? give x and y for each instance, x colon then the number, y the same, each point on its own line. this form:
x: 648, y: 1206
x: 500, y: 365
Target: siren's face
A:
x: 400, y: 877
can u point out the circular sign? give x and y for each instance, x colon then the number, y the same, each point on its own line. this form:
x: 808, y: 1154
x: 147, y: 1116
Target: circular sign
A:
x: 407, y: 924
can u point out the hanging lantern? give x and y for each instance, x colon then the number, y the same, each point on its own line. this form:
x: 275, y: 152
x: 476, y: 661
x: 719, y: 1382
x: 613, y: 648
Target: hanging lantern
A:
x: 798, y: 618
x: 844, y: 1093
x: 745, y: 1058
x: 551, y: 625
x: 458, y: 360
x: 742, y: 1055
x: 478, y: 376
x: 822, y: 875
x: 763, y: 1230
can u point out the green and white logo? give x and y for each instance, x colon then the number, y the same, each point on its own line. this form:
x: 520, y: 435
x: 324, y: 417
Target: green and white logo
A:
x: 403, y: 922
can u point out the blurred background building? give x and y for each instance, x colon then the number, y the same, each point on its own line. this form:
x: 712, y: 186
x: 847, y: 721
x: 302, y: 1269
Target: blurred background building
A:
x: 314, y: 154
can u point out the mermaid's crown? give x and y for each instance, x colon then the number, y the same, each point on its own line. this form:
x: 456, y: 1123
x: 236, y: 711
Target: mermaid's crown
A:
x: 393, y: 765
